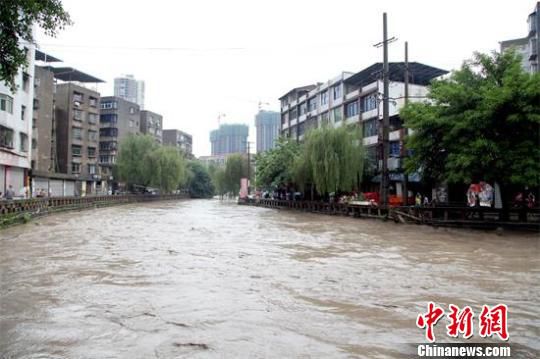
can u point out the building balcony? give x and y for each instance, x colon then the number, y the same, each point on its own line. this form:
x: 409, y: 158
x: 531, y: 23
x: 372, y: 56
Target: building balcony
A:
x: 371, y: 140
x: 302, y: 118
x: 374, y: 86
x: 370, y: 114
x: 285, y: 108
x: 352, y: 94
x: 284, y: 126
x: 294, y: 122
x: 352, y: 119
x: 337, y: 102
x: 394, y: 135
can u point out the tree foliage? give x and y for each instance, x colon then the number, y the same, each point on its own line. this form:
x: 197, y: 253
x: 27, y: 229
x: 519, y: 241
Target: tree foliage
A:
x: 142, y: 162
x: 335, y: 157
x: 481, y: 123
x: 199, y: 183
x: 236, y: 168
x: 276, y: 166
x: 16, y: 20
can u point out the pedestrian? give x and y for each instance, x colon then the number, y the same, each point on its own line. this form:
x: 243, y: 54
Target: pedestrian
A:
x: 426, y: 201
x: 10, y: 193
x: 531, y: 200
x: 418, y: 199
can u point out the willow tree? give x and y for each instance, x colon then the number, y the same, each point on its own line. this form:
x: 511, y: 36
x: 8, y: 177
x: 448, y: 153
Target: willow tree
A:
x: 277, y: 166
x: 166, y: 168
x: 335, y: 157
x: 133, y: 168
x: 236, y: 168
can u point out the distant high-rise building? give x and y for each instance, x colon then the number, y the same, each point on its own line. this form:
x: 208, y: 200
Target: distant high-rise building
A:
x: 229, y: 138
x: 267, y: 124
x: 529, y: 46
x: 130, y: 89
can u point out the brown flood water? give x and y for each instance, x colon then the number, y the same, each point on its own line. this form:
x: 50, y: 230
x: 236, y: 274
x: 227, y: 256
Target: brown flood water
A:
x: 205, y: 279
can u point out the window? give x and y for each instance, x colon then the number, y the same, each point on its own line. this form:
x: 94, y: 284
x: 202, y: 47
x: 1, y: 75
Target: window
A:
x: 369, y: 102
x: 324, y: 98
x: 24, y: 142
x: 77, y: 133
x: 370, y: 128
x: 132, y: 110
x: 108, y: 105
x: 107, y: 159
x: 337, y: 114
x: 6, y: 103
x: 324, y: 118
x: 92, y: 118
x: 92, y: 101
x: 91, y: 152
x: 76, y: 151
x: 6, y: 137
x: 26, y: 81
x: 91, y: 169
x: 131, y: 122
x: 303, y: 108
x: 23, y: 112
x: 294, y: 113
x: 395, y: 149
x: 312, y: 104
x: 108, y: 132
x: 336, y: 92
x: 77, y: 115
x: 77, y: 97
x: 92, y: 136
x: 34, y: 143
x: 108, y: 118
x: 75, y: 167
x: 351, y: 109
x: 107, y: 146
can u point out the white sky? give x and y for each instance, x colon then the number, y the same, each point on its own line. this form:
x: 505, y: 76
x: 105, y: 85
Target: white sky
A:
x: 231, y: 54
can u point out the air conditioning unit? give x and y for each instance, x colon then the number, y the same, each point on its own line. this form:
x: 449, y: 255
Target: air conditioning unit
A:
x: 76, y: 104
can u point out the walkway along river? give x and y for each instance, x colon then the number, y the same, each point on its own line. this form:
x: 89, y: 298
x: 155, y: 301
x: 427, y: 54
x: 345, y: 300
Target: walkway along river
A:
x: 205, y: 278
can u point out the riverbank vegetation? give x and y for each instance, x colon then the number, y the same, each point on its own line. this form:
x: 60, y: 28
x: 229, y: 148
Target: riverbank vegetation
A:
x: 480, y: 124
x: 226, y: 179
x: 329, y: 160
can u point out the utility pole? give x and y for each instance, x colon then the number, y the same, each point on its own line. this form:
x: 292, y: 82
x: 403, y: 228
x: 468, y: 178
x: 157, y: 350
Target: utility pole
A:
x: 405, y: 130
x: 386, y: 119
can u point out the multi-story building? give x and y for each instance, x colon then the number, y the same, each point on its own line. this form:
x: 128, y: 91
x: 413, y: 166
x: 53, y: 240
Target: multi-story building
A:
x: 229, y: 138
x: 119, y: 118
x: 16, y: 129
x: 354, y: 99
x: 179, y: 139
x: 152, y: 124
x: 268, y: 125
x: 529, y: 46
x: 76, y: 122
x: 130, y: 89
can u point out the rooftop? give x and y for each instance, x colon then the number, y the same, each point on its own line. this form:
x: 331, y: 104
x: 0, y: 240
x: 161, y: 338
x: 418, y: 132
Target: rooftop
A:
x: 420, y: 74
x: 70, y: 74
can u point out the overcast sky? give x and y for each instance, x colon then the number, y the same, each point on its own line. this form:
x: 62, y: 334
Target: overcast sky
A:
x: 205, y: 57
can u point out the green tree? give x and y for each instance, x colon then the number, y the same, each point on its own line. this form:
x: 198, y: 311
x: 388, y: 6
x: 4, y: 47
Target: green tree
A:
x: 481, y: 123
x: 16, y: 20
x: 134, y: 167
x: 166, y: 168
x: 236, y: 168
x: 276, y: 166
x: 335, y: 157
x: 200, y: 184
x: 219, y: 180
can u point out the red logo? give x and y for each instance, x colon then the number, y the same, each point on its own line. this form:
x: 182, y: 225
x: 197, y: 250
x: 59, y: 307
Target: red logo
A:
x: 491, y: 321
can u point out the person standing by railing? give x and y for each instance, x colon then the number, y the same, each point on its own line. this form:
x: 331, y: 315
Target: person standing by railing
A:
x: 10, y: 193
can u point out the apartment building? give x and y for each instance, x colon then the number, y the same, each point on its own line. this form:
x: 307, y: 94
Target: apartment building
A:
x: 529, y: 46
x: 119, y: 119
x: 355, y: 99
x: 152, y: 124
x: 179, y: 139
x: 267, y: 125
x: 76, y: 118
x: 16, y: 111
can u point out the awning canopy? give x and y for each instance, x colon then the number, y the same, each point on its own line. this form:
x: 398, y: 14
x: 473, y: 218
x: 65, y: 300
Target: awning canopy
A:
x: 71, y: 74
x: 419, y: 74
x: 41, y: 56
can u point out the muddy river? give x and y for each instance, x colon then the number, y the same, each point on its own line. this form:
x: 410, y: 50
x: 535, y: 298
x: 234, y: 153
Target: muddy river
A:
x: 203, y: 279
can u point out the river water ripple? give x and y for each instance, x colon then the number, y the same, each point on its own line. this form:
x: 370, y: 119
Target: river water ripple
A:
x: 212, y: 279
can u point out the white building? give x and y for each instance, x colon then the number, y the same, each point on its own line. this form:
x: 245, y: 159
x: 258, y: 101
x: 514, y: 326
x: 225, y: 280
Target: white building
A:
x: 16, y: 113
x: 527, y: 47
x: 355, y: 99
x: 130, y: 89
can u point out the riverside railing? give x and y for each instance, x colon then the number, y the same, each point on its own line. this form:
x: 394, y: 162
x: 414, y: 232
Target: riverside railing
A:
x: 21, y: 210
x: 526, y: 218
